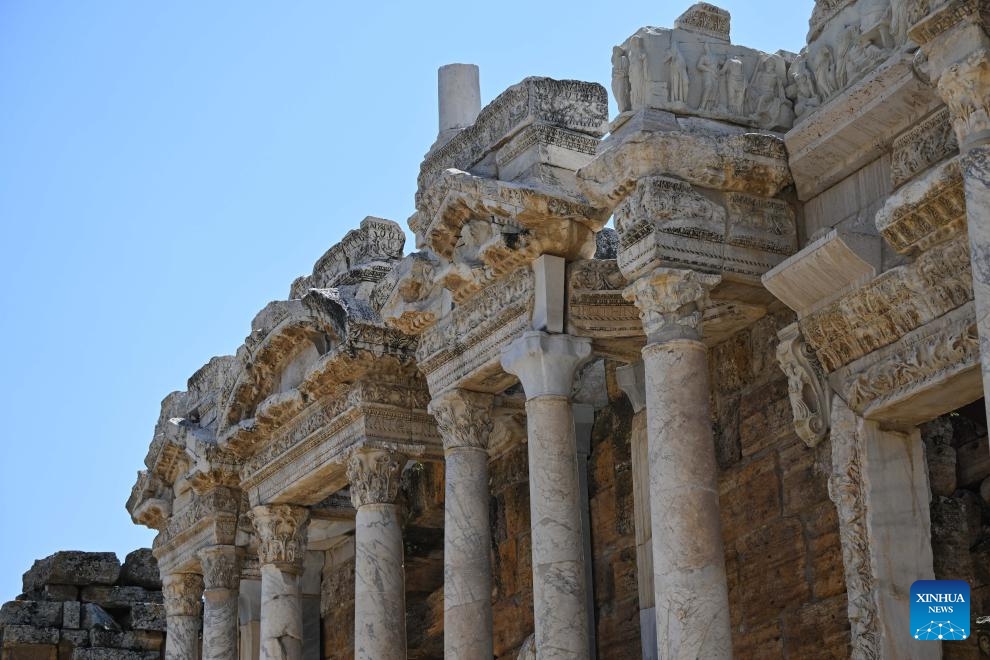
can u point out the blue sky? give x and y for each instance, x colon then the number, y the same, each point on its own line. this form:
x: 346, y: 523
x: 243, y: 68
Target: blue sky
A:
x: 166, y: 169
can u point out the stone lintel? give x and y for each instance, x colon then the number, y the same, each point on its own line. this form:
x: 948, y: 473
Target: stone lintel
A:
x: 824, y: 270
x: 858, y: 125
x: 706, y: 19
x: 704, y: 153
x: 949, y: 15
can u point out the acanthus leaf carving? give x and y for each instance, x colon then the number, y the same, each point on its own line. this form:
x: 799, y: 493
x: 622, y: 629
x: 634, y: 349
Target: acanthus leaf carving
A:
x: 183, y: 594
x: 464, y: 418
x: 671, y: 302
x: 811, y: 398
x: 375, y: 475
x: 221, y: 567
x: 281, y: 530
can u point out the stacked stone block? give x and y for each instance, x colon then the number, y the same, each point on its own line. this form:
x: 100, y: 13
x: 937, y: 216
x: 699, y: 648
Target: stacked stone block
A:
x: 86, y: 606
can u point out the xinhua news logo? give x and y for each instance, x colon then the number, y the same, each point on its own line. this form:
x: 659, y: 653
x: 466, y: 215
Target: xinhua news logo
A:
x: 940, y: 610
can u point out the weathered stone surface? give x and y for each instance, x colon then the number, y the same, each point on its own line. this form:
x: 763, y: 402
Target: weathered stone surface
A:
x: 114, y: 654
x: 117, y: 597
x: 73, y: 568
x: 31, y: 613
x: 140, y: 569
x: 146, y: 616
x: 14, y: 635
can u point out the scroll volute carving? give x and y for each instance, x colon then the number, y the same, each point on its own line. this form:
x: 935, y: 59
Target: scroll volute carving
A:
x: 811, y: 399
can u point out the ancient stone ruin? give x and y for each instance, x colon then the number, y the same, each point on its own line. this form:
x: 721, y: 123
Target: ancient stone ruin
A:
x: 741, y: 421
x: 86, y: 606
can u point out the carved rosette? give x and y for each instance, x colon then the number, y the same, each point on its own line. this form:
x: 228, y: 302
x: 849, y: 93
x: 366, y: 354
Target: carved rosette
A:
x: 281, y: 530
x: 464, y: 418
x: 811, y: 399
x: 671, y: 302
x: 221, y: 567
x: 183, y: 594
x: 374, y: 475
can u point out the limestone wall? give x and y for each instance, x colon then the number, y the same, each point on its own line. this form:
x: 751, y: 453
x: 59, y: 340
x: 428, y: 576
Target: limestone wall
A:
x: 86, y: 606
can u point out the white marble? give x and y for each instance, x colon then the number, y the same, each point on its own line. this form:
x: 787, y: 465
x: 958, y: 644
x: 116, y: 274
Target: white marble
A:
x: 379, y: 584
x: 545, y: 364
x: 221, y: 575
x: 976, y: 181
x: 183, y: 594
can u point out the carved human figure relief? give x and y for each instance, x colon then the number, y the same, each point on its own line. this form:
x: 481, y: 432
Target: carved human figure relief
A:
x: 767, y: 94
x: 802, y: 88
x: 825, y: 73
x: 637, y: 73
x: 735, y: 84
x: 620, y: 79
x: 708, y: 67
x: 678, y: 75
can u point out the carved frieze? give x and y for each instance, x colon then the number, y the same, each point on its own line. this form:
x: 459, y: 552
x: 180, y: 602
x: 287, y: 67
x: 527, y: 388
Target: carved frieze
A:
x: 281, y: 530
x: 150, y: 503
x: 926, y: 211
x: 927, y: 356
x: 707, y: 19
x: 946, y: 15
x: 219, y: 506
x: 892, y: 305
x: 811, y: 398
x: 375, y: 476
x: 928, y: 143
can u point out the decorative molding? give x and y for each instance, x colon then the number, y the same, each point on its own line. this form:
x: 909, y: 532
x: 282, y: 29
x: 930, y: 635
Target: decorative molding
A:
x: 930, y: 142
x: 464, y: 418
x: 846, y: 489
x: 183, y: 594
x: 375, y: 476
x: 281, y: 530
x: 926, y: 211
x: 811, y: 398
x: 963, y: 86
x: 672, y: 302
x: 948, y: 15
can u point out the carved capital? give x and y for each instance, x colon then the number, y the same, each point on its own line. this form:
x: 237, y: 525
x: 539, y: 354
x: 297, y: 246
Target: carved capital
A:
x: 221, y: 567
x: 183, y: 594
x: 965, y: 87
x: 281, y: 530
x: 811, y: 399
x: 546, y: 363
x: 671, y: 302
x: 374, y: 475
x: 464, y: 418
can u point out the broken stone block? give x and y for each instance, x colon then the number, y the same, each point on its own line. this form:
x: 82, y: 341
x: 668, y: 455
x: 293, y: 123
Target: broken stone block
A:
x: 71, y: 615
x: 73, y: 568
x: 52, y: 592
x: 130, y: 640
x: 75, y: 638
x: 140, y: 569
x: 31, y: 613
x: 95, y: 617
x: 32, y: 652
x: 146, y: 616
x: 117, y: 597
x: 114, y: 654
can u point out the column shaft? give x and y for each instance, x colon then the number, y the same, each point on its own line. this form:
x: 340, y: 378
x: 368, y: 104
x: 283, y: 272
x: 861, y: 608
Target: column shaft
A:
x: 976, y: 182
x: 690, y: 592
x: 546, y: 364
x: 221, y: 576
x: 379, y: 574
x: 182, y: 594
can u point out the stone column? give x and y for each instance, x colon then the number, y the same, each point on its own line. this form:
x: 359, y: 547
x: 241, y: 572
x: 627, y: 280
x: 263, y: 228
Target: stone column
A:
x: 183, y: 594
x: 281, y: 530
x: 691, y: 595
x: 249, y: 615
x: 221, y: 578
x: 465, y: 422
x: 379, y: 578
x: 631, y: 379
x: 546, y: 364
x: 954, y: 37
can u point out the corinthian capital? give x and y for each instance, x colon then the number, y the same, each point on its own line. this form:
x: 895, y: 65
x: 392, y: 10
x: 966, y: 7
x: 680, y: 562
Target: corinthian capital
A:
x: 183, y: 594
x: 965, y: 87
x: 464, y: 418
x: 221, y: 567
x: 374, y: 475
x: 671, y: 302
x: 281, y: 530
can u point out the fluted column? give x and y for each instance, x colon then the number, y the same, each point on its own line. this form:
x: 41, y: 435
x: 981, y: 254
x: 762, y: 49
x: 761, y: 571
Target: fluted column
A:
x: 632, y: 380
x: 183, y: 595
x: 691, y: 596
x: 379, y: 577
x: 465, y: 421
x: 281, y: 530
x: 221, y: 580
x: 546, y: 364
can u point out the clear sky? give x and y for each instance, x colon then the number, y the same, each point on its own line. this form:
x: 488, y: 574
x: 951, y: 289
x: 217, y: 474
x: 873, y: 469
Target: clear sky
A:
x: 167, y: 168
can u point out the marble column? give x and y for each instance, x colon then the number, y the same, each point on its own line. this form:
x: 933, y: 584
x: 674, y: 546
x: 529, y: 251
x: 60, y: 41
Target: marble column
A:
x: 379, y: 577
x: 465, y: 422
x: 281, y: 530
x: 546, y: 364
x: 632, y: 380
x: 221, y: 579
x: 249, y: 615
x: 690, y: 591
x: 183, y: 595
